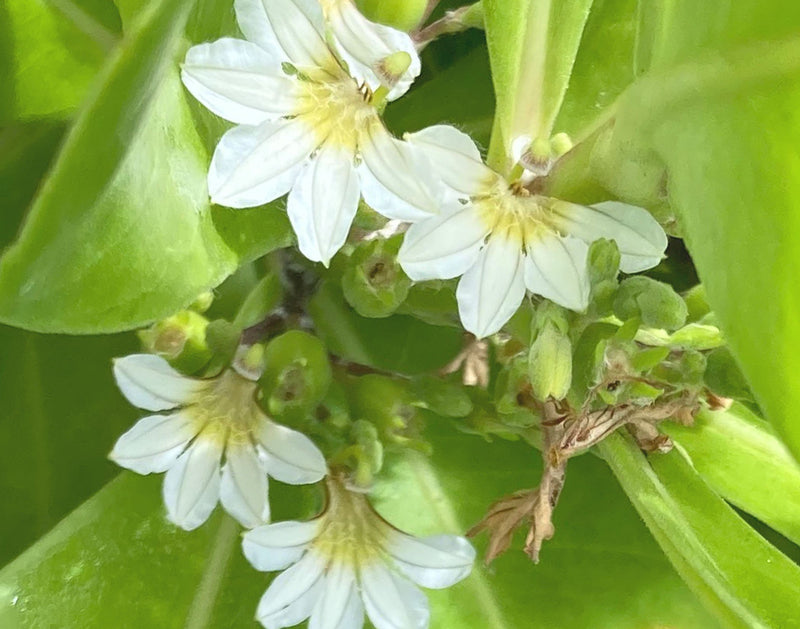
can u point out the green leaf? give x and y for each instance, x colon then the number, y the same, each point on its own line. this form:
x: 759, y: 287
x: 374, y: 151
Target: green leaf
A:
x: 117, y: 556
x: 743, y: 579
x: 719, y: 108
x: 49, y: 54
x: 739, y: 456
x: 60, y: 416
x: 532, y: 47
x: 122, y: 232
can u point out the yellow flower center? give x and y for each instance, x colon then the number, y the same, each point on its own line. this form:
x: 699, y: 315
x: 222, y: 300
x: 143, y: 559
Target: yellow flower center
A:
x: 351, y: 531
x: 226, y: 410
x: 511, y: 212
x: 335, y: 107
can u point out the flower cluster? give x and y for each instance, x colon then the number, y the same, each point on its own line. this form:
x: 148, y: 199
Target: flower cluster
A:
x: 305, y: 90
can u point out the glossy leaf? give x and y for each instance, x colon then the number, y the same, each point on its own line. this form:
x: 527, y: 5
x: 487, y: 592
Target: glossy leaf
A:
x: 740, y: 576
x: 719, y: 108
x: 739, y: 456
x: 50, y: 53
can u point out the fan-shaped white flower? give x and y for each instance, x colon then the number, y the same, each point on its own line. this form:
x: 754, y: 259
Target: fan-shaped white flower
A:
x: 502, y: 239
x: 349, y: 560
x: 210, y: 418
x: 308, y: 125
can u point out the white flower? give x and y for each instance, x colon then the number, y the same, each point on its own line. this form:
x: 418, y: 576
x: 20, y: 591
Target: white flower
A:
x: 306, y: 126
x: 210, y: 418
x: 349, y: 560
x: 502, y: 239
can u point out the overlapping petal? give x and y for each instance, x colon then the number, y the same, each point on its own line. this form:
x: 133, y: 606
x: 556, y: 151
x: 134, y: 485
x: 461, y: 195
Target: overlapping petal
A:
x: 391, y: 601
x: 454, y: 157
x: 291, y: 457
x: 154, y: 443
x: 393, y: 180
x: 323, y: 203
x: 290, y: 30
x: 150, y: 383
x: 555, y: 268
x: 443, y: 246
x: 364, y: 45
x: 191, y: 486
x: 277, y: 546
x: 640, y: 238
x: 255, y: 165
x: 243, y: 489
x: 291, y: 597
x: 490, y: 292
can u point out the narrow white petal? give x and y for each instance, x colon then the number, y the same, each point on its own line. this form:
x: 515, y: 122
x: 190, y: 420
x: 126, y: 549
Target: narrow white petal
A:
x: 490, y: 292
x: 391, y: 601
x: 438, y: 561
x: 395, y: 181
x: 191, y: 486
x: 243, y: 491
x: 555, y: 267
x: 255, y: 165
x: 455, y: 158
x: 154, y: 443
x: 323, y: 203
x: 150, y: 383
x: 291, y: 597
x: 291, y: 30
x: 238, y: 81
x: 291, y: 457
x: 443, y: 246
x: 340, y: 606
x: 640, y: 238
x: 277, y: 546
x: 364, y: 44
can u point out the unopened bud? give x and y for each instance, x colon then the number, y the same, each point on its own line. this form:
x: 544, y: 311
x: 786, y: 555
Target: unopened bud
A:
x: 655, y: 303
x: 550, y: 363
x: 181, y: 339
x: 202, y: 302
x: 403, y: 15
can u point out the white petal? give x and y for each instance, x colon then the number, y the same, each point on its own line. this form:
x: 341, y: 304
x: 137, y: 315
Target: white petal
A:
x: 364, y: 44
x: 191, y: 486
x: 255, y: 165
x: 391, y: 601
x: 291, y: 30
x: 150, y: 383
x: 277, y: 546
x: 492, y: 289
x: 395, y: 182
x: 323, y: 203
x: 640, y: 238
x: 443, y: 246
x: 238, y: 81
x: 291, y: 597
x: 340, y: 606
x: 455, y: 158
x: 438, y: 561
x: 243, y: 491
x: 291, y: 456
x: 154, y: 443
x: 555, y: 268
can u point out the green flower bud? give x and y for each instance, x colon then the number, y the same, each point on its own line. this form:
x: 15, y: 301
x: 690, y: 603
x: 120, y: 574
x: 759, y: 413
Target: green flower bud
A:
x: 181, y: 339
x: 373, y: 282
x: 550, y: 363
x: 297, y: 373
x: 723, y: 376
x: 202, y: 302
x: 655, y: 303
x: 403, y: 15
x: 696, y: 303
